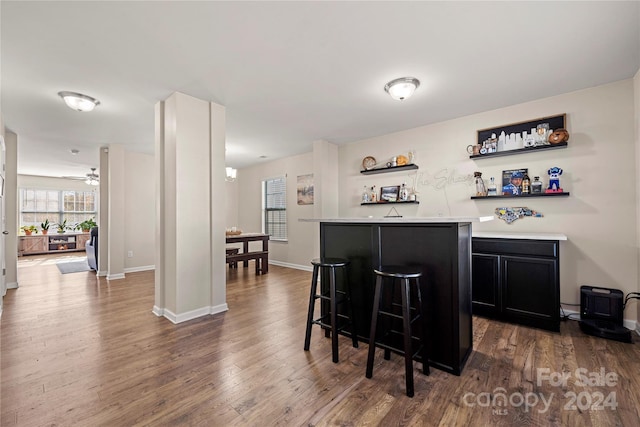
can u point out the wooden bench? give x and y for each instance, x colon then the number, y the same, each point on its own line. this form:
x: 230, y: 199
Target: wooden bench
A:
x: 232, y: 251
x: 261, y: 258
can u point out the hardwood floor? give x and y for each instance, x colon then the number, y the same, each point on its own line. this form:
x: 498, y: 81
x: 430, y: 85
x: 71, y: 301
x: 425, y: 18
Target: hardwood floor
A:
x: 81, y: 351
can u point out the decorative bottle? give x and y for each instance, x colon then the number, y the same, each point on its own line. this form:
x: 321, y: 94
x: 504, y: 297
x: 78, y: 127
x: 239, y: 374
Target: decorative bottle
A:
x: 526, y: 185
x: 536, y: 185
x: 404, y: 192
x: 365, y: 195
x: 374, y: 196
x: 480, y: 188
x: 492, y: 190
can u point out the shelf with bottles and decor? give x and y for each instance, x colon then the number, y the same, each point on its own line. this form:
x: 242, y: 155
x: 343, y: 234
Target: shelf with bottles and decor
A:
x: 547, y: 133
x: 390, y: 203
x: 523, y: 196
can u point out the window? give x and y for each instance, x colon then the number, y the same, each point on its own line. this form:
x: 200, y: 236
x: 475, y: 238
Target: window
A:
x: 56, y: 206
x: 275, y: 208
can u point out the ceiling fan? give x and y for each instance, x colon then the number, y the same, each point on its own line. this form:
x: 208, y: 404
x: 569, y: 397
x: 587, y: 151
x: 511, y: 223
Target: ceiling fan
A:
x: 91, y: 178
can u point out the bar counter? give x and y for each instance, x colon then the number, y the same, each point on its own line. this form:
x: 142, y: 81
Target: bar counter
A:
x: 441, y: 246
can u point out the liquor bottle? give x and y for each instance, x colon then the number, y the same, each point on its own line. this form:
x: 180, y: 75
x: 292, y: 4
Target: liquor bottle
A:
x: 374, y: 196
x: 536, y: 185
x: 481, y: 190
x: 492, y: 190
x: 404, y: 192
x: 365, y: 195
x: 526, y: 185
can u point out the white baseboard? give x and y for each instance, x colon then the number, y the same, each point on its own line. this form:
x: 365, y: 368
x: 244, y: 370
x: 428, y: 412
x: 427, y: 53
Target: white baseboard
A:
x: 115, y: 276
x: 189, y: 315
x: 12, y: 285
x: 627, y: 323
x: 289, y: 265
x: 221, y: 308
x: 141, y: 268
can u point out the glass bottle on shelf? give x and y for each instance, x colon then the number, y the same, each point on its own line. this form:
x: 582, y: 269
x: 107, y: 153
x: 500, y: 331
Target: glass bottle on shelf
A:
x: 481, y: 190
x: 365, y: 195
x: 536, y: 185
x: 526, y: 185
x: 404, y: 192
x: 374, y: 196
x: 492, y: 190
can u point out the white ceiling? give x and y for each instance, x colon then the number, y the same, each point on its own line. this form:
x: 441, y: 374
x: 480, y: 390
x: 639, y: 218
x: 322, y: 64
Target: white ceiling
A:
x: 290, y: 73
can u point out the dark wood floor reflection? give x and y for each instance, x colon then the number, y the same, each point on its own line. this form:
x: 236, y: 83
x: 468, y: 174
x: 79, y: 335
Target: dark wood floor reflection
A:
x: 81, y: 351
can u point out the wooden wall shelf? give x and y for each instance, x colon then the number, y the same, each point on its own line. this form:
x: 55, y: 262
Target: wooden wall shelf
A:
x: 389, y: 169
x: 415, y: 202
x: 523, y: 196
x: 520, y: 151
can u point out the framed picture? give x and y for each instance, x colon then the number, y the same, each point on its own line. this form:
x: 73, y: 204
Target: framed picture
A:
x: 512, y: 181
x: 389, y: 194
x: 305, y: 189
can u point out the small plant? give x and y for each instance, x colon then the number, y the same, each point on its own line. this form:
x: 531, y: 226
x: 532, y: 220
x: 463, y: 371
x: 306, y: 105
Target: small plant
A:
x: 45, y: 226
x: 62, y: 226
x: 86, y: 225
x: 28, y: 229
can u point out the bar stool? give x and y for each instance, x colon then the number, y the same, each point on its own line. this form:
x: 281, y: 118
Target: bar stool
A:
x: 407, y: 276
x: 329, y: 320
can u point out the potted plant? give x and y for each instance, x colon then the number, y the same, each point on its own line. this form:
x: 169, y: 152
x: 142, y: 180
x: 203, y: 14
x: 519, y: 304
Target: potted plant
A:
x: 62, y: 226
x: 86, y: 225
x: 29, y: 229
x: 45, y: 226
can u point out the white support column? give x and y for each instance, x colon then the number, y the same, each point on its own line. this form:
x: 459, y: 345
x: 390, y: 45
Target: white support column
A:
x: 190, y: 275
x: 115, y: 232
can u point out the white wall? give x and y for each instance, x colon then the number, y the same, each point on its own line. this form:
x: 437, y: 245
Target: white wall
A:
x: 599, y: 217
x: 139, y: 211
x: 300, y: 248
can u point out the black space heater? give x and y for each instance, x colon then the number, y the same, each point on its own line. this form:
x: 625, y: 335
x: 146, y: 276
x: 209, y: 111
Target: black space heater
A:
x: 601, y: 313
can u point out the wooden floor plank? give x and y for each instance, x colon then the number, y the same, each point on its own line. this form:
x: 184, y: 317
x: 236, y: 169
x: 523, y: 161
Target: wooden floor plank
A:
x: 81, y: 350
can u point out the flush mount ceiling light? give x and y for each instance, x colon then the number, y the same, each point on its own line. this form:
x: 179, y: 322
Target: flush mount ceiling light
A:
x: 79, y: 102
x: 92, y: 178
x: 231, y: 174
x: 402, y: 88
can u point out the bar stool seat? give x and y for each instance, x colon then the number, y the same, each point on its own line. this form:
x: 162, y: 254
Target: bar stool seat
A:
x: 333, y: 296
x: 386, y: 308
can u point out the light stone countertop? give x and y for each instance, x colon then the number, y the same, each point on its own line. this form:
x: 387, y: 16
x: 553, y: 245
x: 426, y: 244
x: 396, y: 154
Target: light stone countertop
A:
x: 403, y: 220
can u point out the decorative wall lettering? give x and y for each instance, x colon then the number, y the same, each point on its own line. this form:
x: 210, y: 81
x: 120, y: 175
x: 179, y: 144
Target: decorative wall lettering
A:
x: 441, y: 179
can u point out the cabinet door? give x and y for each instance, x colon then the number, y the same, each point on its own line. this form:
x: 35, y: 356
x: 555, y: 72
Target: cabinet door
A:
x: 485, y: 288
x: 530, y: 291
x: 33, y: 244
x: 81, y: 240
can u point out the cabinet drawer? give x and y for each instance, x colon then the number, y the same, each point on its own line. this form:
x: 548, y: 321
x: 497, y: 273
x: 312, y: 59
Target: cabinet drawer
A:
x: 544, y: 248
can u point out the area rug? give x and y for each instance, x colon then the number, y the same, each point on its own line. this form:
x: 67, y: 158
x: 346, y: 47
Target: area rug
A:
x: 73, y: 266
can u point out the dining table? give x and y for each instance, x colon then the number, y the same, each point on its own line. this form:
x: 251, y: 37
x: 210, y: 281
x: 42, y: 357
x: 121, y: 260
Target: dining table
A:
x: 246, y: 254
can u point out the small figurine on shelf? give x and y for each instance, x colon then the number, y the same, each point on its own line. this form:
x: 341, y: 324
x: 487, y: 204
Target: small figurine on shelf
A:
x: 554, y: 180
x: 374, y: 196
x: 481, y: 190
